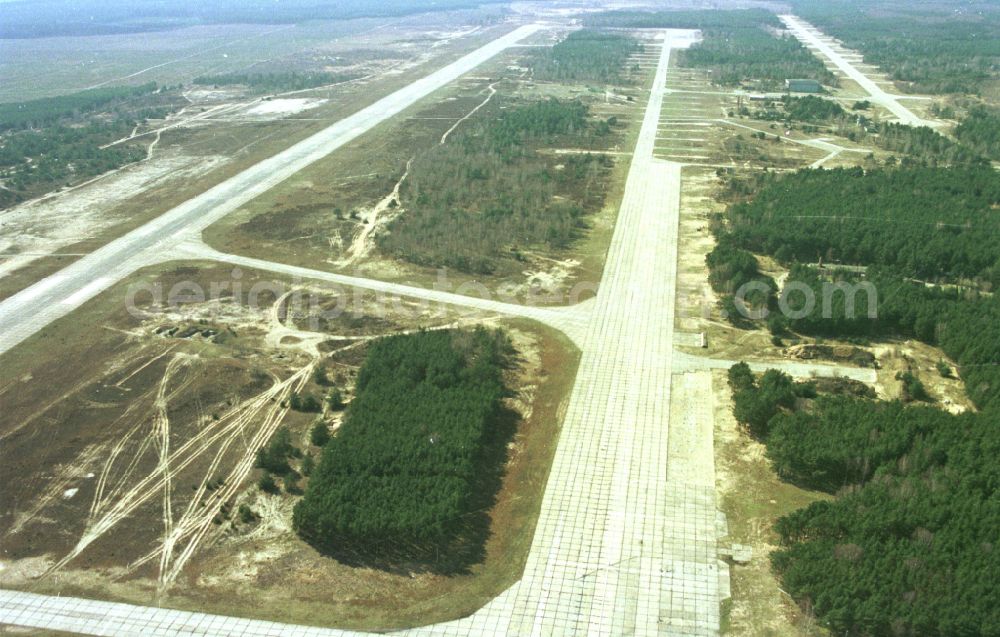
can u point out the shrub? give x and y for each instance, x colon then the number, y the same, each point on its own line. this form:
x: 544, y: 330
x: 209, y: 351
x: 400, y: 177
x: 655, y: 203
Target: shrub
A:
x: 306, y: 403
x: 335, y: 400
x: 267, y: 483
x: 319, y: 435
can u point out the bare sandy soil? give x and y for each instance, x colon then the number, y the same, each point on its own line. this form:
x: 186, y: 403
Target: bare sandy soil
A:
x: 43, y: 226
x: 128, y: 469
x: 752, y: 498
x: 284, y: 106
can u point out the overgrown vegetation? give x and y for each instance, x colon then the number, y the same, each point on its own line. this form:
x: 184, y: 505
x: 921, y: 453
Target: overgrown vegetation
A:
x: 916, y: 144
x: 273, y: 458
x: 919, y: 144
x: 739, y: 46
x: 586, y: 55
x: 277, y: 81
x: 417, y: 460
x: 40, y: 112
x: 925, y: 240
x: 474, y: 203
x: 811, y: 108
x: 732, y: 268
x: 908, y: 547
x: 925, y: 46
x: 51, y: 142
x: 930, y: 223
x: 962, y: 322
x: 34, y: 162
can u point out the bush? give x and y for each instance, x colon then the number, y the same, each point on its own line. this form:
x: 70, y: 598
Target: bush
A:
x: 320, y: 377
x: 306, y: 403
x: 729, y: 270
x: 274, y: 457
x: 913, y: 388
x: 811, y: 108
x: 291, y: 483
x: 944, y: 369
x: 319, y: 435
x: 335, y: 400
x: 267, y: 483
x: 247, y: 515
x: 741, y: 377
x: 756, y: 403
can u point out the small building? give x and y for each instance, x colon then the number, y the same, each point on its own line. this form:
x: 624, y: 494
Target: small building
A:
x: 803, y: 86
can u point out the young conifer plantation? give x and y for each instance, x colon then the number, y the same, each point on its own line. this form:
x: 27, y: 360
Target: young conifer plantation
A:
x: 418, y: 457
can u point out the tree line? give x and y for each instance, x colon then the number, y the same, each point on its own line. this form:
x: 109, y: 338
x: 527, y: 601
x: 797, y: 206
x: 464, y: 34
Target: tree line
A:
x: 908, y: 546
x: 808, y: 108
x: 975, y: 137
x: 729, y: 269
x: 738, y: 46
x: 33, y: 162
x: 927, y: 238
x: 928, y: 223
x: 60, y: 142
x: 47, y: 110
x: 920, y: 144
x: 586, y: 55
x: 964, y: 323
x: 980, y: 130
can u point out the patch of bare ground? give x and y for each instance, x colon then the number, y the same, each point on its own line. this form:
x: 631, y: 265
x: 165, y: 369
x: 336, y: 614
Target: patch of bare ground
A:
x: 132, y: 472
x: 926, y: 363
x: 45, y: 225
x: 696, y: 302
x: 752, y: 497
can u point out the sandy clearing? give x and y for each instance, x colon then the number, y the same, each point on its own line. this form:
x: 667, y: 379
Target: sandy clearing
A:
x: 285, y: 106
x: 41, y: 227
